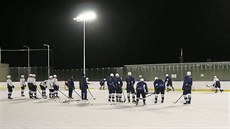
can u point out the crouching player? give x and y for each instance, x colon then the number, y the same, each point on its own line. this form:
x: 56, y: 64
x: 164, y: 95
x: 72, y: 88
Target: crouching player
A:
x: 141, y: 89
x: 187, y: 88
x: 159, y: 87
x: 10, y: 86
x: 43, y: 87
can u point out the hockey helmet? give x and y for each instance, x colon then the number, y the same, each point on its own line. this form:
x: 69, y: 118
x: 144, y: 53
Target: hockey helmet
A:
x: 111, y: 75
x: 50, y: 77
x: 166, y: 75
x: 8, y: 76
x: 22, y: 76
x: 155, y: 78
x: 117, y: 75
x: 215, y: 76
x: 55, y: 76
x: 129, y: 73
x: 189, y: 73
x: 142, y: 79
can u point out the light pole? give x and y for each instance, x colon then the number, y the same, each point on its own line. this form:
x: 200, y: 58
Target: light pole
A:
x: 87, y: 16
x: 48, y: 46
x: 28, y: 58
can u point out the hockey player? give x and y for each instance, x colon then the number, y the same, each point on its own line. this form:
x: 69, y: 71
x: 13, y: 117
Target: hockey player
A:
x: 187, y: 87
x: 10, y: 86
x: 141, y: 89
x: 159, y: 87
x: 102, y: 84
x: 22, y: 84
x: 83, y: 87
x: 111, y: 87
x: 56, y: 86
x: 70, y: 84
x: 50, y: 86
x: 216, y: 84
x: 34, y: 86
x: 43, y: 87
x: 168, y: 82
x: 118, y: 87
x: 130, y: 81
x: 29, y: 83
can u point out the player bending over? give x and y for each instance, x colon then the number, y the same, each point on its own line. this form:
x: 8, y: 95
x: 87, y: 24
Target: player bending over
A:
x: 159, y: 87
x: 142, y: 90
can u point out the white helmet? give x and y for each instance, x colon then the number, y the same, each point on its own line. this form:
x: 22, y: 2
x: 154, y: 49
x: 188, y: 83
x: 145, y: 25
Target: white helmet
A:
x: 155, y: 78
x: 117, y: 75
x: 215, y: 76
x: 54, y: 75
x: 166, y: 75
x: 22, y: 76
x: 87, y: 79
x: 111, y: 75
x: 140, y: 76
x: 189, y: 73
x: 8, y: 76
x: 142, y: 79
x: 129, y: 73
x: 30, y: 75
x: 50, y: 77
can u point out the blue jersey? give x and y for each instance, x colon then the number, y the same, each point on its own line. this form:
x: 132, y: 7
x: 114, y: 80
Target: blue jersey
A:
x: 70, y: 83
x: 159, y: 83
x: 187, y: 82
x: 110, y: 81
x: 142, y: 86
x: 168, y: 79
x: 102, y: 82
x: 83, y: 83
x: 130, y: 81
x: 118, y: 81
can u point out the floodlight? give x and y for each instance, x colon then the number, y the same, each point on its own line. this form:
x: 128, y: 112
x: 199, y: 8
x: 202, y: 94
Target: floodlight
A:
x: 86, y: 16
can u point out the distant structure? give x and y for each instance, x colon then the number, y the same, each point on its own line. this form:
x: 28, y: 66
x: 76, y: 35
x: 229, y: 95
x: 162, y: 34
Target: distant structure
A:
x: 181, y: 56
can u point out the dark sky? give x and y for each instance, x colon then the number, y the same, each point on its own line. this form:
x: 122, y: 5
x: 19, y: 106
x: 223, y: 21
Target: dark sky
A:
x: 125, y: 32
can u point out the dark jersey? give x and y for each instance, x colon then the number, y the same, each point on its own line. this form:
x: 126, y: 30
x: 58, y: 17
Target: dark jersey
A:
x: 130, y: 81
x: 142, y: 86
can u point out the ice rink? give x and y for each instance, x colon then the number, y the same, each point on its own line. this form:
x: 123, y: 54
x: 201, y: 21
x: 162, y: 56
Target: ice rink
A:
x: 207, y: 111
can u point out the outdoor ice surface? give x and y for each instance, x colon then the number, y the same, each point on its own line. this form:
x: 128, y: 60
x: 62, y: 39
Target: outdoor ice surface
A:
x: 208, y: 110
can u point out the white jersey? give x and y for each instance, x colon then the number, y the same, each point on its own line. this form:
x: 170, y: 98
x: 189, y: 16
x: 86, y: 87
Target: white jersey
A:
x: 22, y: 82
x: 50, y: 84
x: 215, y: 80
x: 33, y: 80
x: 9, y: 82
x: 55, y: 81
x: 29, y: 80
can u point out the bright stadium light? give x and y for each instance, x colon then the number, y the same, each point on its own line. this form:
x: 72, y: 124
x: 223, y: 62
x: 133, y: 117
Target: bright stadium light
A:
x: 86, y: 16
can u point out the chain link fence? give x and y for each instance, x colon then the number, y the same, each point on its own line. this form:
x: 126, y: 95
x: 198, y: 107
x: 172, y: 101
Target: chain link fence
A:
x: 200, y: 71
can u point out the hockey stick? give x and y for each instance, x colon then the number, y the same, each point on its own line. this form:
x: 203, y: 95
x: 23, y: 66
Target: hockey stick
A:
x: 208, y: 86
x: 44, y: 97
x: 63, y: 93
x: 91, y: 94
x: 178, y: 99
x: 77, y: 94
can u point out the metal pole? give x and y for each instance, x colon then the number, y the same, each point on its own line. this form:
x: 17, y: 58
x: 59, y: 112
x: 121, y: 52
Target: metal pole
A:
x: 84, y: 46
x: 0, y: 55
x: 28, y: 59
x: 48, y: 46
x: 48, y: 60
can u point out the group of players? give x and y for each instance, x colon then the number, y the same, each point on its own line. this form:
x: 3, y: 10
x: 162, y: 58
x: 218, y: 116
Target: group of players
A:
x: 51, y: 84
x: 114, y: 84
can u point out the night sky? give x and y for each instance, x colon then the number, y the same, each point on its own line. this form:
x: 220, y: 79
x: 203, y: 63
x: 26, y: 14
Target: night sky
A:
x: 125, y: 32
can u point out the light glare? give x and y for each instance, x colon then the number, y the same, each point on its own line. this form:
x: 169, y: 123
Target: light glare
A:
x: 85, y: 16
